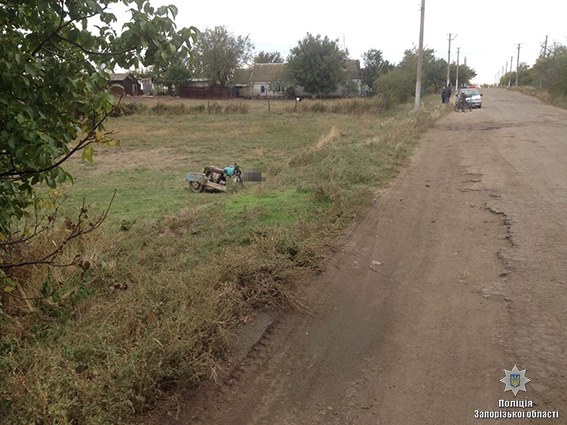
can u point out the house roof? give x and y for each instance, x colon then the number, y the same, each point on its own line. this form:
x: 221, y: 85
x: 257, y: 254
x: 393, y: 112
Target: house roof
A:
x: 121, y: 76
x: 242, y: 76
x: 266, y: 72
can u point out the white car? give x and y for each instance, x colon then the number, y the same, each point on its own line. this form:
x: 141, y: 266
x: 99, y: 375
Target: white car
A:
x: 473, y: 96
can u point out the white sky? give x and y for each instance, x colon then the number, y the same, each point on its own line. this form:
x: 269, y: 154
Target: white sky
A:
x: 488, y: 31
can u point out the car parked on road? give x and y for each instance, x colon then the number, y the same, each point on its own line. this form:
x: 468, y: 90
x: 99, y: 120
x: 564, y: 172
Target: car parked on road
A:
x: 473, y: 96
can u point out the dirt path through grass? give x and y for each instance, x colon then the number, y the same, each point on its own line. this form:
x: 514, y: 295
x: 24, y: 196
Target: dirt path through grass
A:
x: 456, y: 273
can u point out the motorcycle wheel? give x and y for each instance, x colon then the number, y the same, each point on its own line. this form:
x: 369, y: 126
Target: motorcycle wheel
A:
x: 195, y: 187
x: 456, y: 108
x: 236, y: 183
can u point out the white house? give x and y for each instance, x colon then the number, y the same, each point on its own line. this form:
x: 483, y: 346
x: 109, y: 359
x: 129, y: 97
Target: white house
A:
x: 266, y: 81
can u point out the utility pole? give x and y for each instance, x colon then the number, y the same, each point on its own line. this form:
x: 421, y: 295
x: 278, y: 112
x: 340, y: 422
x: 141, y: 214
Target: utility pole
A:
x: 510, y: 74
x: 518, y: 64
x: 449, y: 59
x: 543, y: 54
x: 457, y: 77
x: 419, y: 59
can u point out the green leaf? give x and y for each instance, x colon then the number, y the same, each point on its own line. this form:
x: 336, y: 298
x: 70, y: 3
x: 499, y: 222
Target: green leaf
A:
x: 30, y: 69
x: 88, y: 154
x: 9, y: 289
x: 50, y: 182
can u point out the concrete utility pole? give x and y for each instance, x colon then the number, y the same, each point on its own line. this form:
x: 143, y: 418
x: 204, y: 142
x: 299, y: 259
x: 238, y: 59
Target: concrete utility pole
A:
x: 510, y: 74
x: 457, y: 77
x: 518, y: 64
x: 419, y: 59
x: 544, y: 51
x: 449, y: 59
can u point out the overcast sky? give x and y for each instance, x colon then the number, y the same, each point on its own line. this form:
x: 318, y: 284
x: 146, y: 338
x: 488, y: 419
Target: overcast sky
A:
x: 488, y: 31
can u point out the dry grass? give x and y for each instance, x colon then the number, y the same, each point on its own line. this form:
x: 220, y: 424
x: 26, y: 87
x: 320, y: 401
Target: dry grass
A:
x: 544, y: 95
x: 333, y: 135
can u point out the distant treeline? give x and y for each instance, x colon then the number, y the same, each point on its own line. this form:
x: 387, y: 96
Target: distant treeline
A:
x: 549, y: 73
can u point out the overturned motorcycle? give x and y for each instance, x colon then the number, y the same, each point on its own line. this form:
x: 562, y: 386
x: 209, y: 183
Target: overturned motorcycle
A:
x: 215, y: 178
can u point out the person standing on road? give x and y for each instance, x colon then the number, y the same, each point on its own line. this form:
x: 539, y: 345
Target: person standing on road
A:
x: 448, y: 91
x: 443, y: 92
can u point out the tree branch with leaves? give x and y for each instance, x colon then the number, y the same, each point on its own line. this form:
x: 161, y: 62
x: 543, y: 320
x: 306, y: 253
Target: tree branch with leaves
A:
x: 54, y: 97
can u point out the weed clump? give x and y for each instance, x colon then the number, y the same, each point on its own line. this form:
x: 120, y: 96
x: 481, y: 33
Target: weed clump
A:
x: 164, y: 108
x: 356, y: 106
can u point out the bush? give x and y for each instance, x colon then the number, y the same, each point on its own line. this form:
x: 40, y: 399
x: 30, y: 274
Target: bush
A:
x: 397, y: 86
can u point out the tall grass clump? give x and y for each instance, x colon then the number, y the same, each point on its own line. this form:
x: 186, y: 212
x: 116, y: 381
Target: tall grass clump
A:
x: 159, y: 304
x: 196, y: 109
x: 545, y: 96
x: 355, y: 106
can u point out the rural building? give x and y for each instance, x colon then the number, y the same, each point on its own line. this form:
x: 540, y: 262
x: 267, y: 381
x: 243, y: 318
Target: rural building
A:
x: 353, y: 75
x: 241, y: 83
x: 124, y: 84
x: 266, y: 80
x: 202, y: 88
x: 147, y: 86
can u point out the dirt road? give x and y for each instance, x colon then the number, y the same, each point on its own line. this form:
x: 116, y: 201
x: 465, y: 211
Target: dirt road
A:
x: 458, y: 272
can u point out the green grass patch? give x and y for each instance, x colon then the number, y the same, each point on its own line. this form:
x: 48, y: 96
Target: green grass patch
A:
x: 140, y: 194
x: 277, y: 208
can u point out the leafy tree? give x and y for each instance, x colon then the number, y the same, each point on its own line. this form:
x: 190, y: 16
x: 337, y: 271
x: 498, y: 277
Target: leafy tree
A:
x: 398, y: 85
x: 434, y: 69
x: 218, y: 53
x: 466, y: 73
x: 526, y: 76
x: 53, y: 90
x: 374, y: 66
x: 268, y: 57
x: 317, y: 64
x: 550, y: 71
x: 172, y: 72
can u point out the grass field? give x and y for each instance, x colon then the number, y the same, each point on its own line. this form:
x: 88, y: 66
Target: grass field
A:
x: 173, y: 273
